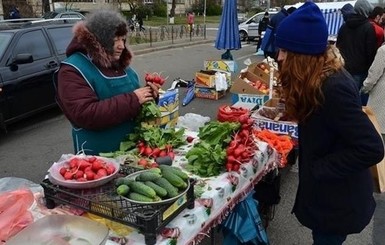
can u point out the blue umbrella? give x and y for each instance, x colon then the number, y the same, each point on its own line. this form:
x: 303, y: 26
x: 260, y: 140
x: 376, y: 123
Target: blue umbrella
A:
x: 228, y: 33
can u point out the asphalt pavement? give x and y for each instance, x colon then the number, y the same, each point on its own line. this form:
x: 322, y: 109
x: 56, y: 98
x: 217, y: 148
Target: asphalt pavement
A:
x: 283, y: 229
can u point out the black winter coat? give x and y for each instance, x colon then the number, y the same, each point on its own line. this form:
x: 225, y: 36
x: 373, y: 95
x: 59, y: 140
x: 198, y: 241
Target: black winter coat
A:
x: 337, y: 146
x: 357, y: 43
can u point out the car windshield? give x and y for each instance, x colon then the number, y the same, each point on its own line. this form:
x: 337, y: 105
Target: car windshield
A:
x: 4, y: 41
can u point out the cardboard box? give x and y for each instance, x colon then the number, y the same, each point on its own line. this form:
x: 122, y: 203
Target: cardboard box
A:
x: 169, y: 102
x: 220, y: 65
x: 205, y: 92
x: 246, y: 93
x: 205, y: 78
x: 252, y: 99
x: 169, y: 108
x: 278, y: 127
x: 165, y: 121
x: 240, y: 86
x: 260, y: 73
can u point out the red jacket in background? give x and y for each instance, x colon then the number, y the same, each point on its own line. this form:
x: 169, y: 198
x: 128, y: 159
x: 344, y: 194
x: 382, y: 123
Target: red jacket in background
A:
x: 379, y: 33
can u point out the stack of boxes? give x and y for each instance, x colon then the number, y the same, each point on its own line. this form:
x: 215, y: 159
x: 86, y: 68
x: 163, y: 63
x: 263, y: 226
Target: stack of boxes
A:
x: 254, y: 86
x: 205, y: 80
x: 169, y: 107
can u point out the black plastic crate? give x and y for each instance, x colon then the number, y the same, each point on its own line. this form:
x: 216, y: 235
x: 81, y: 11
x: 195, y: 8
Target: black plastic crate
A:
x: 103, y: 201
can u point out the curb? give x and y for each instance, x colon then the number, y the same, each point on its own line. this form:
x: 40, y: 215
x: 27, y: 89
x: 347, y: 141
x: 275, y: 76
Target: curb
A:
x: 186, y: 43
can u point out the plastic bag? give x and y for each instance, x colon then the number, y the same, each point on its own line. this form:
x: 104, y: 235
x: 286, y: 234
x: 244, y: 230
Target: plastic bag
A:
x: 14, y: 212
x: 220, y: 81
x: 192, y: 121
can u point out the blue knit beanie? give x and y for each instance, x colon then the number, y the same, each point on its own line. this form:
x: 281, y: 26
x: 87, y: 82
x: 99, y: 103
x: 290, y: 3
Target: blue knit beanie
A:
x: 305, y: 31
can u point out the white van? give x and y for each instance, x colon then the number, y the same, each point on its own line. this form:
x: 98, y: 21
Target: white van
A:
x: 248, y: 30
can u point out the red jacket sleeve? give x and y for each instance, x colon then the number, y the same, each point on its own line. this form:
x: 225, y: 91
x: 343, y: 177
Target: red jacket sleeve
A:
x: 82, y: 107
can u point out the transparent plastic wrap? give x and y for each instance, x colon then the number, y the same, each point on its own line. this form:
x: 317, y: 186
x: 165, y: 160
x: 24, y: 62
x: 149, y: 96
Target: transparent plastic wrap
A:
x: 192, y: 121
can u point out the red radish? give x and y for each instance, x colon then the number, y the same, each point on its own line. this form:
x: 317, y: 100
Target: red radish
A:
x: 189, y: 139
x: 171, y: 154
x: 230, y: 159
x: 237, y: 152
x: 142, y: 162
x: 236, y: 167
x: 148, y: 151
x: 229, y: 167
x: 91, y: 159
x: 62, y: 171
x: 97, y: 165
x: 243, y: 118
x: 110, y: 169
x: 102, y: 172
x: 155, y: 152
x: 162, y: 153
x: 89, y: 175
x: 79, y: 174
x: 68, y: 175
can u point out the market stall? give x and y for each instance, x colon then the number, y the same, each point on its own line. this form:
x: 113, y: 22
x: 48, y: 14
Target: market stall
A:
x: 189, y: 223
x: 213, y: 172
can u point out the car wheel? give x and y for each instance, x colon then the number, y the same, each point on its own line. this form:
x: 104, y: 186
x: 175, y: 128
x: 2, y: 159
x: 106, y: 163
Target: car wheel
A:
x: 243, y: 35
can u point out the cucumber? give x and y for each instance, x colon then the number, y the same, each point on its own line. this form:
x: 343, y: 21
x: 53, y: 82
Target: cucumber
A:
x: 148, y: 176
x: 174, y: 179
x: 160, y: 191
x: 143, y: 189
x: 122, y: 190
x: 156, y: 170
x: 175, y: 171
x: 171, y: 190
x: 122, y: 181
x: 139, y: 197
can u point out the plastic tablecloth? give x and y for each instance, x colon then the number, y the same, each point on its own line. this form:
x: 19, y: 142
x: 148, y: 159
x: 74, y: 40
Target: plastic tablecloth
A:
x: 219, y: 195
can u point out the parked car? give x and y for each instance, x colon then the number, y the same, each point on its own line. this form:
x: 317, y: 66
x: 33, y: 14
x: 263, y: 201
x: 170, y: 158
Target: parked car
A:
x: 29, y: 55
x: 65, y: 14
x: 241, y: 17
x: 248, y: 30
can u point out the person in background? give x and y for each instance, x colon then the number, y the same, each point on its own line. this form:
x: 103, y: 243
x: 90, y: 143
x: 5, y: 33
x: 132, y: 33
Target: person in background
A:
x: 374, y: 85
x: 375, y: 18
x: 140, y: 22
x: 190, y: 21
x: 97, y: 90
x: 357, y: 43
x: 337, y: 142
x: 14, y: 13
x: 262, y: 25
x: 268, y: 43
x: 346, y: 10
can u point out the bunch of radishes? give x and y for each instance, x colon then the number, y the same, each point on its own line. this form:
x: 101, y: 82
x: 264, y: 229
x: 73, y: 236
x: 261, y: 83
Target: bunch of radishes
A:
x: 154, y: 152
x: 242, y: 147
x: 86, y: 168
x: 155, y: 78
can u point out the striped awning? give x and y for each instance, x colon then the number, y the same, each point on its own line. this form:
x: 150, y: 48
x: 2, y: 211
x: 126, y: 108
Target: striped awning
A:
x: 333, y: 19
